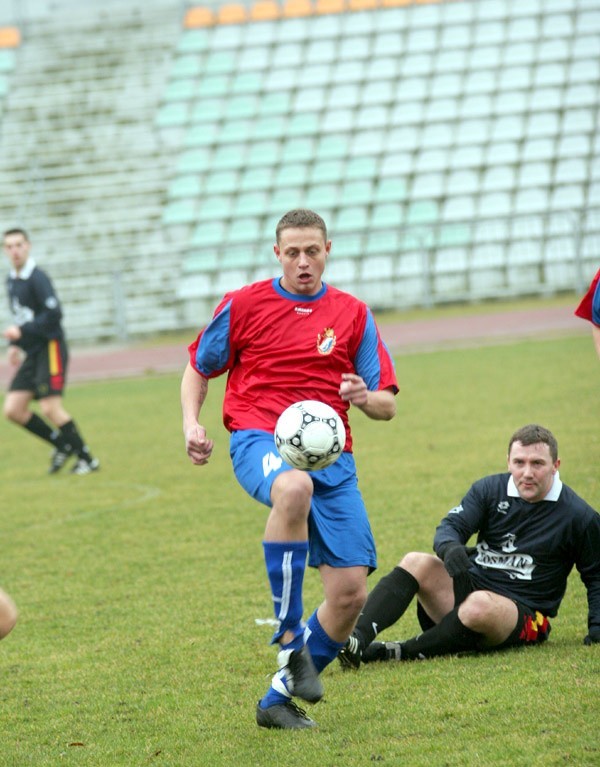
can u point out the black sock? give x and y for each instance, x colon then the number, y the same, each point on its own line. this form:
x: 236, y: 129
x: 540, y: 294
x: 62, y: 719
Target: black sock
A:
x: 40, y: 428
x: 385, y: 604
x: 448, y: 636
x: 71, y: 436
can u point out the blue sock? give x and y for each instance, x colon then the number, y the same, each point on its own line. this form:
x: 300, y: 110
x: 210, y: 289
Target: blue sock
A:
x: 286, y: 563
x: 323, y: 648
x: 277, y: 692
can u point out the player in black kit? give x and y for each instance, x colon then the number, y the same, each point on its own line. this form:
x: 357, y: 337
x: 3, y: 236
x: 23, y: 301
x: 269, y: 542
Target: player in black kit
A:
x: 531, y: 531
x: 37, y: 335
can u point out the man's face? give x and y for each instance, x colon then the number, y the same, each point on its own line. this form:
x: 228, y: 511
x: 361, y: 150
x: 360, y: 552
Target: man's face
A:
x: 302, y: 253
x: 532, y: 470
x: 16, y: 248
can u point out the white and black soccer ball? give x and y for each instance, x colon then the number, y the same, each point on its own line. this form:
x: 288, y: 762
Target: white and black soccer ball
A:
x: 310, y: 435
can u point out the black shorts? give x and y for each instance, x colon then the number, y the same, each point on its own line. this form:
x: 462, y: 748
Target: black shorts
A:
x: 43, y: 372
x: 532, y: 627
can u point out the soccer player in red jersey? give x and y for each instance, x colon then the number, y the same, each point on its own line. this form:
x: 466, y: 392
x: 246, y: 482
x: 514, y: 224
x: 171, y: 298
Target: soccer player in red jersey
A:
x: 589, y: 309
x: 281, y: 340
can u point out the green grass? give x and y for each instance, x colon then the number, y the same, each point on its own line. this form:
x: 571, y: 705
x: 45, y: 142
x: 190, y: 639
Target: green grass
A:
x: 139, y: 587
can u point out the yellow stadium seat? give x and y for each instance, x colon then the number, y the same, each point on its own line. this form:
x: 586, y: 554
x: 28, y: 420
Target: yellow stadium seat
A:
x: 330, y: 6
x: 265, y: 10
x: 198, y: 17
x: 232, y: 14
x: 296, y: 8
x: 10, y: 37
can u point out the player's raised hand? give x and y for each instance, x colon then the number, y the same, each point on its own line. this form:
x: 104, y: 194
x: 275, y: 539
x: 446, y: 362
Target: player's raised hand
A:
x: 197, y: 446
x: 353, y: 389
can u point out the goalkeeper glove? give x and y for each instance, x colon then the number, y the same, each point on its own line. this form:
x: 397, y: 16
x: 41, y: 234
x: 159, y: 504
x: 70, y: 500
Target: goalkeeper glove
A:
x: 455, y: 557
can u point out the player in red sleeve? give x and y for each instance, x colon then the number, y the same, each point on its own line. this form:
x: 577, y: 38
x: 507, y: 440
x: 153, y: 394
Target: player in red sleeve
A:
x: 279, y: 341
x: 589, y: 309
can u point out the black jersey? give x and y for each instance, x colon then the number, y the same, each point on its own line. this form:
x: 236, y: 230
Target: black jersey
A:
x: 34, y: 306
x: 525, y: 551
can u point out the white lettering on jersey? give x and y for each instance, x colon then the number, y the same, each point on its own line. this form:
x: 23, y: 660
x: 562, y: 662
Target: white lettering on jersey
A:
x: 456, y: 510
x: 21, y: 314
x: 516, y: 566
x: 271, y: 462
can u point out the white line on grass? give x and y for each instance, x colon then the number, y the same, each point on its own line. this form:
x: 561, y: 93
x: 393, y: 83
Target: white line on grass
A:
x: 145, y: 493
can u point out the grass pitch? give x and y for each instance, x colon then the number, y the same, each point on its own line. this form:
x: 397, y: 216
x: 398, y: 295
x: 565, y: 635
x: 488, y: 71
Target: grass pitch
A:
x: 143, y: 596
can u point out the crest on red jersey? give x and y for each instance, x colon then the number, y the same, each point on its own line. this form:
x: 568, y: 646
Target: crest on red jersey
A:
x: 326, y: 341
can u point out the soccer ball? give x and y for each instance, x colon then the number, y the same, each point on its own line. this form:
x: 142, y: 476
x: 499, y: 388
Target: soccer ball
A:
x: 310, y: 435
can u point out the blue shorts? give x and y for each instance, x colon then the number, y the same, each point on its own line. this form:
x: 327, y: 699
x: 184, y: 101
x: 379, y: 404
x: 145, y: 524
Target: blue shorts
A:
x: 339, y: 533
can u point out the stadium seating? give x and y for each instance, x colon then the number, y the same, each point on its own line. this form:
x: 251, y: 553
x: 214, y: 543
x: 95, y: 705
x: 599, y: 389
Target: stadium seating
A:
x: 451, y: 146
x: 428, y: 118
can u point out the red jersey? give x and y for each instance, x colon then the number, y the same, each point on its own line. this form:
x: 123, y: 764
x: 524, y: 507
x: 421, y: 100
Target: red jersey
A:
x: 589, y: 308
x: 279, y: 347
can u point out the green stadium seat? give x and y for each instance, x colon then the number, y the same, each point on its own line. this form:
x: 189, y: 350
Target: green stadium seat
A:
x: 186, y: 66
x: 387, y: 215
x: 209, y: 233
x: 534, y: 174
x: 377, y: 92
x: 275, y: 103
x: 419, y: 213
x: 244, y: 230
x: 390, y: 190
x: 204, y: 134
x: 286, y: 198
x: 306, y: 124
x: 228, y: 157
x: 387, y: 241
x: 351, y: 218
x: 213, y: 85
x: 193, y: 160
x: 251, y: 203
x: 201, y: 261
x: 361, y: 167
x: 179, y: 212
x: 372, y: 117
x: 254, y: 59
x: 326, y: 170
x: 193, y: 41
x: 7, y: 59
x: 226, y: 36
x: 224, y: 181
x: 246, y: 82
x: 341, y: 96
x: 256, y: 178
x: 180, y: 90
x: 219, y: 62
x: 317, y: 54
x: 262, y: 153
x: 170, y: 115
x: 347, y: 246
x: 295, y: 173
x: 185, y: 186
x: 232, y: 131
x: 324, y: 195
x: 215, y: 207
x: 332, y: 146
x: 354, y: 192
x: 298, y: 150
x: 207, y: 110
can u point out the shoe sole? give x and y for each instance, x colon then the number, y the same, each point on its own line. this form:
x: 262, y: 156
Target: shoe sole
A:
x: 269, y: 719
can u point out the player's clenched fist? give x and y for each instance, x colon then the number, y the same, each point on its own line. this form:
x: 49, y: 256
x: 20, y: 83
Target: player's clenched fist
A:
x: 197, y: 446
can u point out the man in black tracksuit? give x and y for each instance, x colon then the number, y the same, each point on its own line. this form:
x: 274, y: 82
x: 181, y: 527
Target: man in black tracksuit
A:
x: 531, y: 531
x: 38, y: 351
